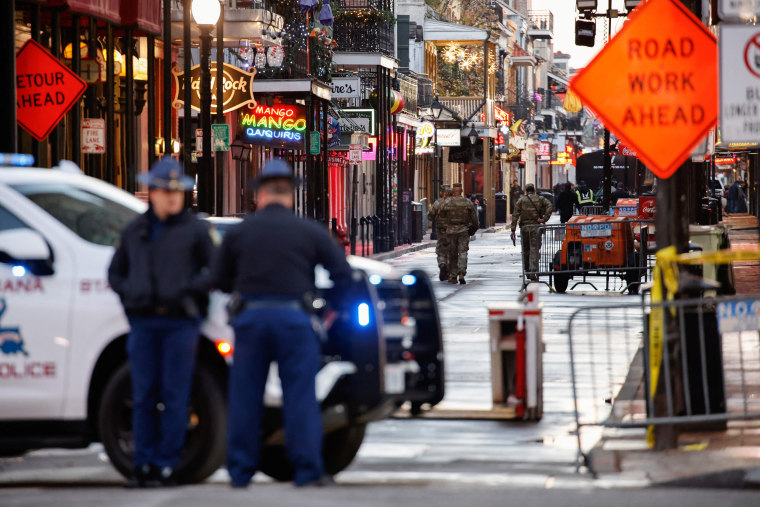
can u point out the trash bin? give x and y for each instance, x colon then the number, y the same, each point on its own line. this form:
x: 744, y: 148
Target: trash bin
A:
x: 417, y: 208
x: 516, y: 348
x: 708, y: 212
x: 500, y: 203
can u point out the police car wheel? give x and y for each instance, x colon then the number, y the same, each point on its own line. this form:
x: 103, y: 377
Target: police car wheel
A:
x: 339, y: 448
x: 205, y: 444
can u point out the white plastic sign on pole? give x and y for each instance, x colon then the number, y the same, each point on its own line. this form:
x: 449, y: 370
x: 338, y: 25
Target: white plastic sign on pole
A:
x: 739, y: 83
x: 355, y: 153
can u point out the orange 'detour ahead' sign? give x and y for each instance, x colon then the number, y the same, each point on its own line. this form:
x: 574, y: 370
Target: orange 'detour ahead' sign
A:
x: 45, y: 89
x: 655, y: 84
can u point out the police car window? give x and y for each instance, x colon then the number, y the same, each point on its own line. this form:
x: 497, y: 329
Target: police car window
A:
x: 91, y: 216
x: 10, y: 221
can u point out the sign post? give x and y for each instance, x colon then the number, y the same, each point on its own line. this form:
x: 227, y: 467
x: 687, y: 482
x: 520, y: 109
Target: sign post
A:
x: 654, y: 87
x: 93, y: 135
x: 220, y: 136
x: 45, y: 89
x: 355, y: 153
x: 739, y: 83
x: 313, y: 143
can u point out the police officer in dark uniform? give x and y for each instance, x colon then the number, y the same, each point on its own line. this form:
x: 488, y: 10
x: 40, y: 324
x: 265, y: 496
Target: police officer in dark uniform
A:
x: 161, y: 273
x: 268, y: 262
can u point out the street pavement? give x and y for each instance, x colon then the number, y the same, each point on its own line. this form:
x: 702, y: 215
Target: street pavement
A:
x: 424, y: 461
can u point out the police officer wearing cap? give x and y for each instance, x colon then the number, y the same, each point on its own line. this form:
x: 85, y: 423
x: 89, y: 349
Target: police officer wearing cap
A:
x: 267, y: 262
x: 161, y: 273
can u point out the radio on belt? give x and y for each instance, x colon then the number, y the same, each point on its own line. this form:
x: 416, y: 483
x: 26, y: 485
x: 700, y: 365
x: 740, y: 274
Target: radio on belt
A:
x: 516, y: 356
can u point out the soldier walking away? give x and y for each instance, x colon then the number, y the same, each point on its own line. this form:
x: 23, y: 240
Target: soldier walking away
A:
x: 442, y: 245
x: 267, y: 262
x: 585, y: 196
x: 161, y: 273
x: 461, y: 223
x: 530, y: 211
x: 566, y: 202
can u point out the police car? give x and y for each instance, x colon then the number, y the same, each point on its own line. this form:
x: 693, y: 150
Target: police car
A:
x: 64, y: 377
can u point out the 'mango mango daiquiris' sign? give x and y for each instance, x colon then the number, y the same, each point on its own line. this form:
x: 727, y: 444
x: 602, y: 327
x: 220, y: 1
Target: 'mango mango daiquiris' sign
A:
x: 280, y: 126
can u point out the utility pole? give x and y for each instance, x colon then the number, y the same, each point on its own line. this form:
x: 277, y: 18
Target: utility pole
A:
x: 8, y: 80
x: 672, y: 230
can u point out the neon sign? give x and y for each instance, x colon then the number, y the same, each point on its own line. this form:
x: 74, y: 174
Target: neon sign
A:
x: 279, y: 126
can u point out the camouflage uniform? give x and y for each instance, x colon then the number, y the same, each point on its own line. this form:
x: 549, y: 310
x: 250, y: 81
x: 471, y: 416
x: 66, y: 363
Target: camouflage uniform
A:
x: 460, y: 216
x: 442, y: 246
x: 528, y: 210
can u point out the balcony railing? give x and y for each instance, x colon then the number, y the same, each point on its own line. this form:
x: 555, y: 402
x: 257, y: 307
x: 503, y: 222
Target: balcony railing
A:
x: 408, y: 88
x: 364, y: 26
x: 541, y: 24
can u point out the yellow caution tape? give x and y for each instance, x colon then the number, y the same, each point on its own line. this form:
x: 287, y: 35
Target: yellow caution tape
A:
x: 665, y: 276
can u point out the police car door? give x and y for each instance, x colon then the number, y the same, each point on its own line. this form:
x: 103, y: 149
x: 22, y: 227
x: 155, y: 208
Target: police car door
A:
x: 34, y: 315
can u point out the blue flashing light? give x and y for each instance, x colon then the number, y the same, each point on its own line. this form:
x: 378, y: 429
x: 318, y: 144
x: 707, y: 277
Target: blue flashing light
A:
x: 408, y: 279
x: 16, y: 159
x: 375, y: 279
x: 18, y: 271
x: 362, y: 314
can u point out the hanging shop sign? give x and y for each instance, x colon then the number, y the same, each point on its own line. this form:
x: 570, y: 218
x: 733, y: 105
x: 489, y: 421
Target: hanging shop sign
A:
x: 333, y: 131
x: 238, y: 88
x: 449, y: 137
x: 424, y: 138
x: 545, y: 150
x: 279, y: 126
x: 346, y: 87
x: 656, y: 88
x: 45, y: 89
x: 93, y: 135
x: 314, y: 147
x: 357, y: 120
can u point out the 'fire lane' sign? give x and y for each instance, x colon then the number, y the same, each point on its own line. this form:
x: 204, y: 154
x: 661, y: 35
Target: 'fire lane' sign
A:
x: 45, y: 89
x: 655, y: 84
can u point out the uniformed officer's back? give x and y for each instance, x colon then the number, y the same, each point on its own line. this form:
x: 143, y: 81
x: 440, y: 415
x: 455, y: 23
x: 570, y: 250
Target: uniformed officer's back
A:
x: 274, y: 252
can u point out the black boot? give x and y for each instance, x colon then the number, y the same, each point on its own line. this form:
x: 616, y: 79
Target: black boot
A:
x: 143, y: 477
x: 461, y: 278
x: 443, y: 274
x: 165, y: 477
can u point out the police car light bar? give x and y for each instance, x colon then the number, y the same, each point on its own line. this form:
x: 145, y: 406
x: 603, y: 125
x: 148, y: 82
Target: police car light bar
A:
x: 16, y: 160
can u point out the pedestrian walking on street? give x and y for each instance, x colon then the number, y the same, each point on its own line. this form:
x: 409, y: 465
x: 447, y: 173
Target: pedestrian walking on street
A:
x: 461, y: 223
x: 267, y: 262
x: 566, y: 202
x: 442, y: 244
x: 160, y: 271
x: 531, y: 211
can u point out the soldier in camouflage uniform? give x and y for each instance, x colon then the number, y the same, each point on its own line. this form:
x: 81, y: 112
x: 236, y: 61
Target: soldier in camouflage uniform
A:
x: 530, y: 211
x: 442, y: 246
x: 462, y: 222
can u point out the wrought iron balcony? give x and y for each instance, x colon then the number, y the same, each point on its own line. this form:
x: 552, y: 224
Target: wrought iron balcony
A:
x: 364, y: 26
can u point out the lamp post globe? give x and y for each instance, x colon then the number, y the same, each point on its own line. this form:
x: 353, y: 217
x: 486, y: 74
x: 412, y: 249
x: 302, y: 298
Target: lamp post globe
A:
x: 206, y: 12
x: 473, y: 135
x: 436, y: 108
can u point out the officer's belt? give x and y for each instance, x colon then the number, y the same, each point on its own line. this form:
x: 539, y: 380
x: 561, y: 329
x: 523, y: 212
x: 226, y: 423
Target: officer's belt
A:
x: 257, y: 305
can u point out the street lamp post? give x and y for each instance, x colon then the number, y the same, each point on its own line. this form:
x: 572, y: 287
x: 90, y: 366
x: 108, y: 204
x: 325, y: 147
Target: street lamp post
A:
x: 436, y: 108
x: 473, y: 135
x: 206, y: 13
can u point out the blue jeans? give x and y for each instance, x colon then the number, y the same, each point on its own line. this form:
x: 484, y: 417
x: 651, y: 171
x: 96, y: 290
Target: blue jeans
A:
x: 285, y: 335
x: 161, y: 354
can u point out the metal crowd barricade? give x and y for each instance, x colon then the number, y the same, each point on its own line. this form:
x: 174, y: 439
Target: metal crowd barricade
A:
x: 705, y: 365
x: 617, y: 250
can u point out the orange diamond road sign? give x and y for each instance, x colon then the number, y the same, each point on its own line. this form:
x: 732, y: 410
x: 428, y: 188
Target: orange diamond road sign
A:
x: 655, y: 84
x: 45, y: 89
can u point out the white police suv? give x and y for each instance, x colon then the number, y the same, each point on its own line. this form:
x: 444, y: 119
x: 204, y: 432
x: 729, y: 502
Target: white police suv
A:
x: 64, y: 376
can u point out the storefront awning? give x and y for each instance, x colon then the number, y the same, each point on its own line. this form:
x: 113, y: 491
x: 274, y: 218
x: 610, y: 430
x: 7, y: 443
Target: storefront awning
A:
x: 557, y: 78
x: 145, y: 14
x: 104, y: 9
x: 435, y: 30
